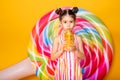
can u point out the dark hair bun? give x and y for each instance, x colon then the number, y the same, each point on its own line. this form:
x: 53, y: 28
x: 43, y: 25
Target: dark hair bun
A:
x: 58, y: 11
x: 75, y: 10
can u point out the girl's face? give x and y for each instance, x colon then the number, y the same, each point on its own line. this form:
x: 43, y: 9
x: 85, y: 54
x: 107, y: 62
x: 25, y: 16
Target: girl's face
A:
x: 67, y: 22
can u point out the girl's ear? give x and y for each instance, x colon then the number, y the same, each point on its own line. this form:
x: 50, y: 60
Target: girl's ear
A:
x: 60, y: 22
x: 60, y: 25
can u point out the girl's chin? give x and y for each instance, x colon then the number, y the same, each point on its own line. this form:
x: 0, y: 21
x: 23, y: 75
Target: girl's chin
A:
x: 68, y: 29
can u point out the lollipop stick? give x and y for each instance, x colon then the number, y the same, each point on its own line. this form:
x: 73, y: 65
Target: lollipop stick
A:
x: 17, y: 71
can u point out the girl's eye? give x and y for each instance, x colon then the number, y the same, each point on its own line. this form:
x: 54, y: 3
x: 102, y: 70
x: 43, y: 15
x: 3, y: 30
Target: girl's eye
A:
x: 65, y: 22
x: 71, y: 21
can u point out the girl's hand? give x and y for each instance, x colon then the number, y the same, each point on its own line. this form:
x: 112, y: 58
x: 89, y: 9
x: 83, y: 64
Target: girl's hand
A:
x: 73, y: 48
x: 62, y: 49
x: 79, y: 54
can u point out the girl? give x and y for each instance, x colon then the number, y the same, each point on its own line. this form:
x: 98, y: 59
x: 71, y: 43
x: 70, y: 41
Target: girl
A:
x: 68, y: 51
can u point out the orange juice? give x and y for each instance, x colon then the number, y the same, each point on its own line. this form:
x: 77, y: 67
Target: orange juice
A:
x: 69, y: 39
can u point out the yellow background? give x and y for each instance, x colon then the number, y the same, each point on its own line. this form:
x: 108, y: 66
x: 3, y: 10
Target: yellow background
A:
x: 17, y: 18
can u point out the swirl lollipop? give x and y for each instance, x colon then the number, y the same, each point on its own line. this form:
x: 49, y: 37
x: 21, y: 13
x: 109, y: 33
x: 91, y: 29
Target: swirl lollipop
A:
x: 96, y: 41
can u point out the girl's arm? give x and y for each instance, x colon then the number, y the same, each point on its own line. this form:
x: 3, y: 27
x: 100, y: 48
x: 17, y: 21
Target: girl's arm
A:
x: 55, y: 53
x: 17, y: 71
x: 79, y: 52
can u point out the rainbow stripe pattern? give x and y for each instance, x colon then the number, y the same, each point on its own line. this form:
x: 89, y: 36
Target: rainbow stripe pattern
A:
x: 96, y: 40
x: 68, y: 64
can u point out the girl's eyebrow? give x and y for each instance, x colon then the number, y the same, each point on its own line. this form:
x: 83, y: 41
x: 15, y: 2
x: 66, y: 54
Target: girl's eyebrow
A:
x: 64, y: 20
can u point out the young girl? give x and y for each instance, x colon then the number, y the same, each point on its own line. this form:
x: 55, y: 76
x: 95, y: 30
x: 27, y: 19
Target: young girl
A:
x: 67, y: 48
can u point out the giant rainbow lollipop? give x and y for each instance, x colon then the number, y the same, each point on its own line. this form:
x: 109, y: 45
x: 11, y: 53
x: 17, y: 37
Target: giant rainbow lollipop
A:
x: 96, y: 41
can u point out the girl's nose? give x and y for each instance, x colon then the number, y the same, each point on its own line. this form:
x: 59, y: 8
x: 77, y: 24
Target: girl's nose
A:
x: 68, y: 25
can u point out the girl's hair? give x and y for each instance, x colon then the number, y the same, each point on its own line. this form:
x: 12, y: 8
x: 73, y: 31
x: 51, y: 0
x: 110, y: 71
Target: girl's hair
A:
x: 72, y: 12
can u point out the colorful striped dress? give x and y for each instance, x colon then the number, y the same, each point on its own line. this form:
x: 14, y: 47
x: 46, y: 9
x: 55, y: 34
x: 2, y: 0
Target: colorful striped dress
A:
x: 68, y: 66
